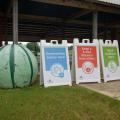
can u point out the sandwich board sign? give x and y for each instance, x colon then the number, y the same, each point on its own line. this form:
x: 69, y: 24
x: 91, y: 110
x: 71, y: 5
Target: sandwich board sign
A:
x: 55, y: 68
x: 110, y: 60
x: 85, y: 65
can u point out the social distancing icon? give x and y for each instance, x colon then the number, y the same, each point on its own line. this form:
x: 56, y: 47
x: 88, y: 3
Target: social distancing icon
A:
x: 85, y: 61
x: 110, y: 60
x: 55, y: 68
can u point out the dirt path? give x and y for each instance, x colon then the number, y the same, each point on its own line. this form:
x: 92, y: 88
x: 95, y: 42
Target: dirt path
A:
x: 111, y: 89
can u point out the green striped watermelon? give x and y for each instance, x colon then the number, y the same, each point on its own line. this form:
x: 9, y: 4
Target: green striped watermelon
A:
x: 18, y: 66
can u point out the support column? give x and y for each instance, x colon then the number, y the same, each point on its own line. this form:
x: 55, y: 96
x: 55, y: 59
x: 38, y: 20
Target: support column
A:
x: 95, y: 25
x: 15, y: 21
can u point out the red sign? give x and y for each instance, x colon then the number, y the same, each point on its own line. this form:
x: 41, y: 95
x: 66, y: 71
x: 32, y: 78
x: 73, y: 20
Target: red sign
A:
x: 87, y: 58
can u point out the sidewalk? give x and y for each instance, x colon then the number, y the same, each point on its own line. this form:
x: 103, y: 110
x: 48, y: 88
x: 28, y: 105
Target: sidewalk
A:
x: 111, y: 89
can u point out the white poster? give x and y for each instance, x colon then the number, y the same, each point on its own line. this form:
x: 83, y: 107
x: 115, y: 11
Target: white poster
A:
x: 86, y: 66
x: 55, y: 64
x: 110, y: 60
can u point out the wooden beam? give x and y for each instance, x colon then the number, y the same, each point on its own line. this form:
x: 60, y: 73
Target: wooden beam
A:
x: 59, y: 20
x: 79, y: 14
x: 51, y: 19
x: 39, y: 18
x: 83, y: 4
x: 56, y: 20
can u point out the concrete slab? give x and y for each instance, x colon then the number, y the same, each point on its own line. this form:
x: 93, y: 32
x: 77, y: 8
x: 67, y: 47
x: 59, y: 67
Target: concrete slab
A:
x: 111, y: 89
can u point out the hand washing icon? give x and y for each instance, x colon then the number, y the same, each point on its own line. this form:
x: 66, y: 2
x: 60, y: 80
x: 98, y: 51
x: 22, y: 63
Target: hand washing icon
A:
x: 88, y: 67
x: 57, y: 70
x: 112, y: 67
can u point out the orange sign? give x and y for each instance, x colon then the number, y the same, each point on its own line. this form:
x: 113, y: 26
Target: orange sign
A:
x: 87, y: 58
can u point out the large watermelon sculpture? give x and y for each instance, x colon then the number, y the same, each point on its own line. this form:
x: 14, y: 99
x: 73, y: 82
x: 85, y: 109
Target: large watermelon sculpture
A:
x: 18, y: 66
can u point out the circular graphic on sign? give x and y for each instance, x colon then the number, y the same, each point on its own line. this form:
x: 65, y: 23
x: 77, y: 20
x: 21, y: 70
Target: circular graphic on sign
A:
x: 112, y: 67
x: 57, y: 70
x: 88, y: 67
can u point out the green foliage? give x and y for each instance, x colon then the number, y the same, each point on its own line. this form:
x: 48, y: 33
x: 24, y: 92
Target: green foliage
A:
x: 70, y: 48
x: 57, y: 103
x: 34, y: 47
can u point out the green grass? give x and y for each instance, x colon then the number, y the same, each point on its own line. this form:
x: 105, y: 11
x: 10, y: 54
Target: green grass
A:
x: 57, y: 103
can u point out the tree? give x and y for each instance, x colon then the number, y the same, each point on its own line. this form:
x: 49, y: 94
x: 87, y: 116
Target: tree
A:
x: 34, y: 47
x: 70, y: 48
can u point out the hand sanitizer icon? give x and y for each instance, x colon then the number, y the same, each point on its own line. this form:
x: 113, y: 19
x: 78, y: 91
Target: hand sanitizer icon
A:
x: 57, y: 70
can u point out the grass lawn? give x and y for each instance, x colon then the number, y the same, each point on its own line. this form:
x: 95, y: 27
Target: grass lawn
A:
x: 57, y: 103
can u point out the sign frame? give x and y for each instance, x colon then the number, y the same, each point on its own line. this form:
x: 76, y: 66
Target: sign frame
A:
x: 105, y: 71
x: 53, y: 82
x: 78, y: 71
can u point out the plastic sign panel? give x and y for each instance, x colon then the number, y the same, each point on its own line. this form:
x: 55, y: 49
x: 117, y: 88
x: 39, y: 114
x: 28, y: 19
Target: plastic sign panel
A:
x: 86, y: 61
x: 55, y: 64
x: 110, y: 60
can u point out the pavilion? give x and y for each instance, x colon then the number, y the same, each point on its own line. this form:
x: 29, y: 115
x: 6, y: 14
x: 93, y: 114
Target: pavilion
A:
x: 32, y: 20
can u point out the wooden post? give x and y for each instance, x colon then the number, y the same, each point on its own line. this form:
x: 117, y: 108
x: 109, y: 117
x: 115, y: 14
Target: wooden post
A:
x: 15, y: 21
x: 95, y: 25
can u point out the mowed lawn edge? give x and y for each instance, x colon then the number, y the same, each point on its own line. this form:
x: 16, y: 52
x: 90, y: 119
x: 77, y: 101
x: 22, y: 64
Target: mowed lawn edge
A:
x: 57, y: 103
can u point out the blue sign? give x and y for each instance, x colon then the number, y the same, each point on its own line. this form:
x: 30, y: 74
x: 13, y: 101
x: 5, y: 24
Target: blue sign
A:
x: 55, y: 61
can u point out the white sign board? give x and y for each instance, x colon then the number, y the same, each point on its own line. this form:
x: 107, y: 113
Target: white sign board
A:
x: 110, y: 60
x: 85, y: 61
x: 55, y: 68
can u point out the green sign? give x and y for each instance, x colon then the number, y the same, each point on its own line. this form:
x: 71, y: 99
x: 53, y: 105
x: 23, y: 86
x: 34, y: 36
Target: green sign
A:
x: 110, y: 56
